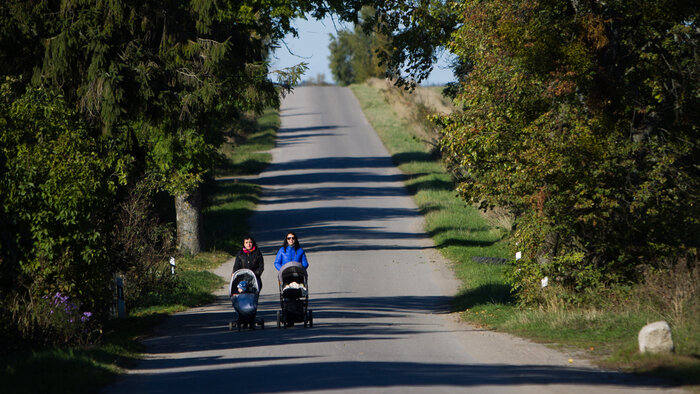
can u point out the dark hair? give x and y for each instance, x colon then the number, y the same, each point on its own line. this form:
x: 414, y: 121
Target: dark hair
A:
x: 252, y: 239
x: 296, y: 241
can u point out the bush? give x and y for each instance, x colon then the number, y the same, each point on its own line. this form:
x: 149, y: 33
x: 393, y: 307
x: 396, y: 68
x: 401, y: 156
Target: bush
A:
x: 58, y: 183
x: 591, y: 141
x: 50, y: 321
x: 142, y: 245
x: 673, y: 289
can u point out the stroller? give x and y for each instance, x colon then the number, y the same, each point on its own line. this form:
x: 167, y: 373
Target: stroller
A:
x: 294, y: 296
x: 245, y: 303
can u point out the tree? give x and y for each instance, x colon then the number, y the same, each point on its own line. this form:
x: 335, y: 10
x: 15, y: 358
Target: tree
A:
x: 58, y: 187
x: 162, y: 77
x: 154, y: 81
x: 417, y: 32
x: 353, y: 57
x: 98, y: 96
x: 582, y: 118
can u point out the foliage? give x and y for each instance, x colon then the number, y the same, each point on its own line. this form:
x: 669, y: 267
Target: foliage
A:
x: 353, y: 57
x: 163, y: 77
x: 102, y: 94
x: 169, y: 74
x: 603, y: 330
x: 58, y: 185
x: 417, y: 30
x: 60, y: 321
x: 674, y: 289
x: 582, y: 119
x: 141, y: 245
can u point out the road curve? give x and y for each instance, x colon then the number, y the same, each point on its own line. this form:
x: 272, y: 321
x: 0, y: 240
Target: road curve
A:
x: 378, y: 289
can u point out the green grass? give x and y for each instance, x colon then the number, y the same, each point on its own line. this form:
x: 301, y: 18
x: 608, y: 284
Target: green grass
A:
x: 251, y: 156
x: 88, y: 368
x: 459, y: 231
x: 607, y: 334
x: 233, y: 201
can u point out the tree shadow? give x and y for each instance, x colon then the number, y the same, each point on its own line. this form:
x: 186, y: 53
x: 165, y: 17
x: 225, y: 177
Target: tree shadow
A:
x: 361, y: 177
x: 463, y: 242
x: 415, y: 156
x: 491, y: 293
x: 364, y: 162
x: 431, y: 184
x: 220, y: 229
x: 338, y: 321
x: 303, y: 374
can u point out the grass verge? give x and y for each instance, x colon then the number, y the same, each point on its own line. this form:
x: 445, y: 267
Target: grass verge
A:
x: 605, y: 333
x: 89, y: 368
x: 460, y: 231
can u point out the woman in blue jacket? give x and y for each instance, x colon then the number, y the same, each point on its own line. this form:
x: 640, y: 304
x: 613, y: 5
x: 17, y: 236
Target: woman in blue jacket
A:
x: 290, y: 251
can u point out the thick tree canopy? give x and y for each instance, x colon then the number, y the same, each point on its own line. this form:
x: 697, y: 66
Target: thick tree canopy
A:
x: 581, y: 117
x: 99, y: 94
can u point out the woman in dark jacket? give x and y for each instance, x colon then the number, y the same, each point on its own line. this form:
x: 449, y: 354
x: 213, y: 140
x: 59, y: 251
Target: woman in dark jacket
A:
x: 251, y: 258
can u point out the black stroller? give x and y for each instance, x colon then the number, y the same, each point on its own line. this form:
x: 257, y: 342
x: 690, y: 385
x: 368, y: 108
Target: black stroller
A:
x: 294, y: 296
x: 245, y: 303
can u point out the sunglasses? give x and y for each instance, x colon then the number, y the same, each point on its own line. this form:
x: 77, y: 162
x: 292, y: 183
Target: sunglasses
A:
x: 290, y: 237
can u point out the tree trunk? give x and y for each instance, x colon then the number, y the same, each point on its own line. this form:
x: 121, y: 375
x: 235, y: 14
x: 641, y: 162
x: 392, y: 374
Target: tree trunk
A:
x: 188, y: 209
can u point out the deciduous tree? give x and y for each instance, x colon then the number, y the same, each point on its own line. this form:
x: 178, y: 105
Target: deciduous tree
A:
x: 355, y: 54
x: 582, y: 118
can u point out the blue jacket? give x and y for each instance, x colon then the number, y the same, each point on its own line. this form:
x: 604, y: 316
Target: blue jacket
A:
x: 285, y: 255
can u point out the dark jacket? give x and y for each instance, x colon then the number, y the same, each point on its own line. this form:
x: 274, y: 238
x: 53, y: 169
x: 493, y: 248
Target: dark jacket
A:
x: 252, y: 261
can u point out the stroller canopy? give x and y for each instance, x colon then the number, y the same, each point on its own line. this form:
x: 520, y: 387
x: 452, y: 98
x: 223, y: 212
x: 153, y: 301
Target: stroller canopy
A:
x: 292, y: 272
x: 244, y: 275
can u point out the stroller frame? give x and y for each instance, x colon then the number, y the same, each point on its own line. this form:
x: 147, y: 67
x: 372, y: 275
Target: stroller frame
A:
x: 245, y: 318
x: 294, y: 306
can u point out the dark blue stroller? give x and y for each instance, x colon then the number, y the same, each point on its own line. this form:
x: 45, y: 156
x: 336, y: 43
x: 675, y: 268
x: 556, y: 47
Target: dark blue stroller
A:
x: 244, y: 290
x: 294, y: 296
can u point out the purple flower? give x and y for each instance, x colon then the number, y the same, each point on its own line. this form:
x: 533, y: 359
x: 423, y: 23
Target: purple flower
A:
x: 85, y: 317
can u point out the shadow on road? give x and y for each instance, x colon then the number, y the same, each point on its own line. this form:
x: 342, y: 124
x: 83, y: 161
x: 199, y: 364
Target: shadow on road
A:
x: 312, y: 376
x: 355, y: 319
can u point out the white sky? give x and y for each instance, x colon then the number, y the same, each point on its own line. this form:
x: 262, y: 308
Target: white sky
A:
x: 312, y: 47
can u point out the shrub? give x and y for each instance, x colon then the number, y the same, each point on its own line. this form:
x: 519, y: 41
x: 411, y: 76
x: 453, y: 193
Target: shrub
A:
x: 59, y: 184
x: 590, y: 140
x: 673, y: 288
x: 142, y: 244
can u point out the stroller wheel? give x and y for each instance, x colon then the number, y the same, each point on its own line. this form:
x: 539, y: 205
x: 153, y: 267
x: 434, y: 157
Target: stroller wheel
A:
x: 262, y: 324
x: 279, y: 321
x: 238, y: 326
x: 306, y: 320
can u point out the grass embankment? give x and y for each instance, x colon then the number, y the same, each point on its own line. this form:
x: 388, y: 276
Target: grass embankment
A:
x: 87, y: 369
x: 606, y: 332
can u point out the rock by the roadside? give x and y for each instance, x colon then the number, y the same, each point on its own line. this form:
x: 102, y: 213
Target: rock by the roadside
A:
x: 655, y: 338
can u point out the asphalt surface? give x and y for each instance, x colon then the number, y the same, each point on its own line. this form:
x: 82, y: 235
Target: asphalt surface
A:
x: 377, y: 288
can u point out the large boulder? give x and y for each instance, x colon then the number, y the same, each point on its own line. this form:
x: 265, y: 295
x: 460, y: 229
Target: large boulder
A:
x: 655, y: 338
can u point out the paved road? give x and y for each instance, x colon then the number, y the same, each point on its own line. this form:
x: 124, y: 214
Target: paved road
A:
x: 378, y: 289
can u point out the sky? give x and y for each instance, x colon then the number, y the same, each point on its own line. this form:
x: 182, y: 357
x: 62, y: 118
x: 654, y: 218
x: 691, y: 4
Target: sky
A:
x: 312, y: 47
